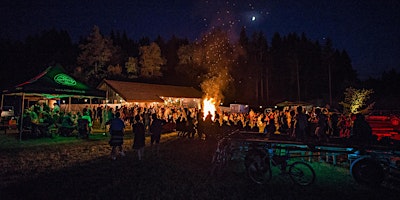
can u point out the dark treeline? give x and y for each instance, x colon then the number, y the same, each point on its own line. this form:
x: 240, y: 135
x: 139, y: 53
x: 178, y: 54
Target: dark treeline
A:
x: 286, y: 67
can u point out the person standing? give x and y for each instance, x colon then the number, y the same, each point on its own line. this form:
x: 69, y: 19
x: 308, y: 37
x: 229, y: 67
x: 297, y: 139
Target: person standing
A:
x: 146, y: 119
x: 208, y: 126
x: 139, y: 136
x: 86, y: 115
x: 362, y: 131
x: 300, y: 124
x: 99, y: 114
x: 117, y: 127
x: 322, y: 125
x: 155, y: 130
x: 104, y: 114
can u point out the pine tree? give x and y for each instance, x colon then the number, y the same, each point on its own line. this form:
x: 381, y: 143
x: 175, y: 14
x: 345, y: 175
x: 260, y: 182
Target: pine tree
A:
x: 132, y: 68
x: 95, y: 55
x: 151, y: 61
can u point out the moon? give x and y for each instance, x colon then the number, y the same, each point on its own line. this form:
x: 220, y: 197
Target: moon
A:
x: 253, y: 18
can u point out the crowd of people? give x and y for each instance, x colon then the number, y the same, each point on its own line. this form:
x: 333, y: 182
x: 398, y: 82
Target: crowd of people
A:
x: 298, y: 123
x: 39, y: 120
x: 317, y: 124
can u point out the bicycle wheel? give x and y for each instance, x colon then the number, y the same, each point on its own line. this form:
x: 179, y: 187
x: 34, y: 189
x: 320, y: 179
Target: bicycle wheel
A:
x: 301, y: 173
x: 216, y: 165
x: 259, y: 170
x: 367, y: 171
x: 219, y: 162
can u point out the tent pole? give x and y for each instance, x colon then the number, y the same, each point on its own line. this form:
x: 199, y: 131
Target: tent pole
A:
x: 107, y: 96
x: 105, y: 107
x: 69, y: 104
x: 22, y: 117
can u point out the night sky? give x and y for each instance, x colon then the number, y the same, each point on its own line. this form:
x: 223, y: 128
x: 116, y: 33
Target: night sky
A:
x: 369, y: 30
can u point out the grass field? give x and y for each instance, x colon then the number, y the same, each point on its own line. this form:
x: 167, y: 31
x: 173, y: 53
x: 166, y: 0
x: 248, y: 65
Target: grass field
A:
x: 70, y: 168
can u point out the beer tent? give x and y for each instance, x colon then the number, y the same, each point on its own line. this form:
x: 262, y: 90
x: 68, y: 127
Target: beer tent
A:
x: 52, y: 83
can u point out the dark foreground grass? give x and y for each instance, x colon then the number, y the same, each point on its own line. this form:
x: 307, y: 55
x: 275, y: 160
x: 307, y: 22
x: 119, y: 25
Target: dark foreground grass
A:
x: 83, y: 170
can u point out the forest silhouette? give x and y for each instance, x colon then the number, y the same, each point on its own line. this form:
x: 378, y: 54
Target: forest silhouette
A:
x: 261, y: 71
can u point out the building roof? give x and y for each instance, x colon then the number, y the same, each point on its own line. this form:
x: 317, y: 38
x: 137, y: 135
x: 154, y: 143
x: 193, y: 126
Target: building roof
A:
x: 141, y: 92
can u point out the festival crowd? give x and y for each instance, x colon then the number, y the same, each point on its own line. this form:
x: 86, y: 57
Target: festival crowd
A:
x: 296, y: 122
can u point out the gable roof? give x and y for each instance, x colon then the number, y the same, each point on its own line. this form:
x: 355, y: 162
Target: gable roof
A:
x: 55, y: 83
x: 140, y: 92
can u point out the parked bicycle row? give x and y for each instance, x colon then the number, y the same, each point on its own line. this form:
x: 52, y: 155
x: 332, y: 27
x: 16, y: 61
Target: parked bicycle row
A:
x: 370, y: 167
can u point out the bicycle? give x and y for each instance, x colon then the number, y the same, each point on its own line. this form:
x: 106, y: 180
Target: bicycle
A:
x: 259, y: 164
x: 372, y: 168
x: 222, y: 155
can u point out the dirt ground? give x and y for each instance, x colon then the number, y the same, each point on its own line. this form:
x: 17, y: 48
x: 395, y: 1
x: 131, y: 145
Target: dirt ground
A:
x: 82, y: 169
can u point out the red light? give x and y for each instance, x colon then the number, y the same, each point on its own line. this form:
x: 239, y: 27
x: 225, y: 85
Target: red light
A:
x: 395, y: 122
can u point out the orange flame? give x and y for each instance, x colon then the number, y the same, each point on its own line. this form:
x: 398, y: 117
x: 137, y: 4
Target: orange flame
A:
x: 209, y: 106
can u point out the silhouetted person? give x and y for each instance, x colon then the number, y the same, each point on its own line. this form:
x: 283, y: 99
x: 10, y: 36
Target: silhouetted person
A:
x: 361, y: 132
x: 322, y: 125
x: 300, y: 124
x: 139, y: 136
x: 155, y: 130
